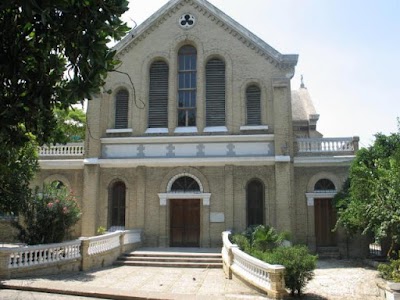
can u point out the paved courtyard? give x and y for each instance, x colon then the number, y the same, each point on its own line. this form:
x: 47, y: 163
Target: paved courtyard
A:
x: 335, y: 279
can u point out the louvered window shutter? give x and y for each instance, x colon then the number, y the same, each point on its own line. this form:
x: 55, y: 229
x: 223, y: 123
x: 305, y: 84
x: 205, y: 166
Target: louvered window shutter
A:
x: 215, y: 93
x: 253, y: 98
x: 121, y: 109
x: 158, y: 95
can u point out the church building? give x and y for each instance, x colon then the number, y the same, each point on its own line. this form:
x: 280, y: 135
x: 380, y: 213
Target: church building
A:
x: 199, y: 131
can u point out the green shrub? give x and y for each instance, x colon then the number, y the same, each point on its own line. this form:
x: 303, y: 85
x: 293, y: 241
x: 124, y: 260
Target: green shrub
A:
x: 242, y: 242
x: 49, y: 215
x: 298, y: 262
x: 265, y: 238
x: 390, y: 271
x: 260, y: 238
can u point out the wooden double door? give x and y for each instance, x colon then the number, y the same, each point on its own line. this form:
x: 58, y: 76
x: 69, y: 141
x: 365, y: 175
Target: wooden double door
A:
x: 184, y: 222
x: 325, y: 221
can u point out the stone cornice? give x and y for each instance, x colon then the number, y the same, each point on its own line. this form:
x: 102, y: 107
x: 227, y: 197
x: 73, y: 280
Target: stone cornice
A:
x: 281, y: 61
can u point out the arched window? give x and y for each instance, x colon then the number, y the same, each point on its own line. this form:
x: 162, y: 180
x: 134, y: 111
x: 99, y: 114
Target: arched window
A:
x: 324, y: 185
x: 117, y: 207
x: 158, y: 95
x: 253, y: 105
x: 58, y: 184
x: 215, y: 93
x: 185, y: 184
x: 187, y: 86
x: 121, y: 109
x: 255, y: 202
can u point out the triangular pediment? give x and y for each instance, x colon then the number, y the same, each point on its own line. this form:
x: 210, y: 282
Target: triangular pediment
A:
x: 219, y: 18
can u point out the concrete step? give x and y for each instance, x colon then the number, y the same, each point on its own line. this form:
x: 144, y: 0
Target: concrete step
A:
x: 171, y: 259
x: 205, y: 265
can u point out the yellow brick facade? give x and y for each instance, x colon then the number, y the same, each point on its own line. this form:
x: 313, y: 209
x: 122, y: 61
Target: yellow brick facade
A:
x: 233, y: 156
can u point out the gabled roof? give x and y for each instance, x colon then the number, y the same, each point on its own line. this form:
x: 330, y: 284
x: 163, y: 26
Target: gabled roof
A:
x: 234, y: 28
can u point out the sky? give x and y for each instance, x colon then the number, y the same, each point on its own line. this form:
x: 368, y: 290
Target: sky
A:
x: 349, y: 55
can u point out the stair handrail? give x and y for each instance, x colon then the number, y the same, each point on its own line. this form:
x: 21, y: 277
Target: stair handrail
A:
x: 267, y: 277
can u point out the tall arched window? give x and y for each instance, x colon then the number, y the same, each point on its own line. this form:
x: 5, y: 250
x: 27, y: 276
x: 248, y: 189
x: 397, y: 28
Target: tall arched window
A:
x: 255, y: 202
x: 187, y: 85
x: 253, y: 105
x: 121, y: 109
x: 158, y: 95
x: 117, y: 207
x: 215, y: 93
x: 324, y: 185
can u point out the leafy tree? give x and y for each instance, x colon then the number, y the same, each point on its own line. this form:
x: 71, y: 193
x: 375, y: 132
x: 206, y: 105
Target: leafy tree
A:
x: 49, y: 215
x: 371, y: 201
x: 17, y: 168
x: 52, y: 54
x: 71, y: 125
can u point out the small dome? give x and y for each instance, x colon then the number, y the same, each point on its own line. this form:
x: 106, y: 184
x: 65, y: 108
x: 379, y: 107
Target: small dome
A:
x: 302, y: 106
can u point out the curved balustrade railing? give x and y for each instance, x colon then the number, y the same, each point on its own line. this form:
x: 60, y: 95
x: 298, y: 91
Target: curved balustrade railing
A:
x: 321, y: 145
x: 269, y: 278
x: 42, y: 254
x: 62, y: 150
x: 104, y: 243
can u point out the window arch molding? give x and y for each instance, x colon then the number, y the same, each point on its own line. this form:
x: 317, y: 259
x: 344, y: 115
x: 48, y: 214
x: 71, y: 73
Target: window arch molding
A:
x: 217, y: 54
x: 57, y: 177
x: 173, y: 179
x: 115, y: 89
x: 311, y: 194
x: 169, y: 194
x: 263, y: 105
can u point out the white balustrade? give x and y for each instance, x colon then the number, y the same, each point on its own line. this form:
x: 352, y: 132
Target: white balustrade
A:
x: 132, y: 236
x: 320, y: 145
x: 63, y: 150
x: 43, y: 254
x: 103, y: 243
x: 253, y: 270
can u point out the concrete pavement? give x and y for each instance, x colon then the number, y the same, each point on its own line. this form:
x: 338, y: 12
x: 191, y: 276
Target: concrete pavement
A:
x: 335, y: 279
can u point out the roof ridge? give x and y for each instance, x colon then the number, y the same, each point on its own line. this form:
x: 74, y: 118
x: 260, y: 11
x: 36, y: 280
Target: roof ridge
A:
x: 237, y: 30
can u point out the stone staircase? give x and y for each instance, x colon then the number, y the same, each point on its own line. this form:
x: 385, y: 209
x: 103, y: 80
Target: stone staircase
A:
x: 171, y: 257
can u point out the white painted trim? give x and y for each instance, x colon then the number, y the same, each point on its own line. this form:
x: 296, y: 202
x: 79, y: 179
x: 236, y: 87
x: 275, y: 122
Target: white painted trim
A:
x: 312, y: 196
x: 311, y: 161
x: 91, y: 161
x: 189, y: 139
x: 216, y: 129
x: 178, y: 162
x: 157, y: 130
x: 186, y: 130
x: 125, y: 130
x: 254, y: 127
x: 171, y: 182
x: 61, y: 164
x: 203, y: 196
x: 282, y: 158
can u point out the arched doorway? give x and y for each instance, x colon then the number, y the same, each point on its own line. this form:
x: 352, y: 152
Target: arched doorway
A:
x: 117, y: 200
x: 255, y: 202
x: 185, y: 214
x: 325, y: 213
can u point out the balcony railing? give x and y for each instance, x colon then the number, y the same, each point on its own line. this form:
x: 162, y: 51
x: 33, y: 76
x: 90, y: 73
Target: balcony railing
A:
x: 71, y: 150
x: 327, y: 145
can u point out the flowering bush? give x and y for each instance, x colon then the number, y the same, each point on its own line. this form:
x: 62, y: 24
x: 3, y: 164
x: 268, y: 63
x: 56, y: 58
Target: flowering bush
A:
x: 49, y: 215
